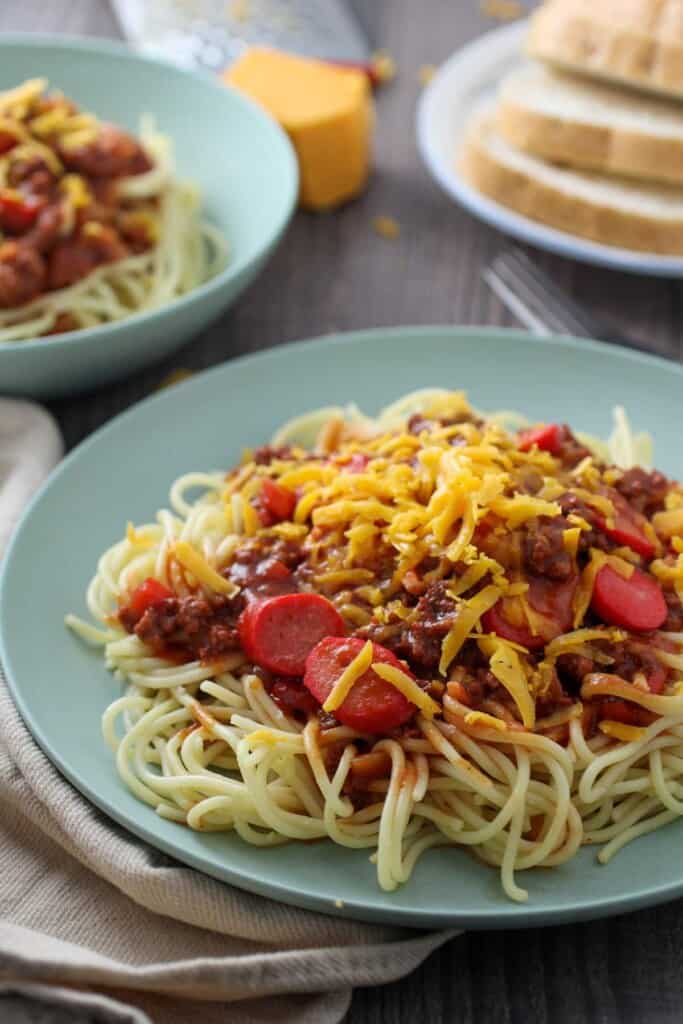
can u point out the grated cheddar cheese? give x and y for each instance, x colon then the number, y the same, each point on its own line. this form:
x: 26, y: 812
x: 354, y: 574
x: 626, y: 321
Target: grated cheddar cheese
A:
x: 201, y: 570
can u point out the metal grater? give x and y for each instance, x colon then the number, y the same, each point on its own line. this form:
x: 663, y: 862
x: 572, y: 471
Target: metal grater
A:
x: 210, y: 34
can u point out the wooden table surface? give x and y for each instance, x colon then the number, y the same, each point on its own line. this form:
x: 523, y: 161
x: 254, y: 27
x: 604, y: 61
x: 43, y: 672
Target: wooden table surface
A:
x: 333, y: 273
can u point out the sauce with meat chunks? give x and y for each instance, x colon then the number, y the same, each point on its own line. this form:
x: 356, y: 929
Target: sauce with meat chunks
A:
x: 62, y: 214
x: 313, y: 602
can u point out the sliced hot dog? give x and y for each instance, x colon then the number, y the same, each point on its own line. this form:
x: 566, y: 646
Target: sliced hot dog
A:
x: 278, y: 633
x: 495, y: 621
x: 552, y: 602
x: 373, y: 704
x: 627, y: 529
x: 635, y: 603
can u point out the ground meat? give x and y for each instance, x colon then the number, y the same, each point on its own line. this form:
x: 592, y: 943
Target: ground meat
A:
x: 190, y: 627
x: 111, y: 154
x: 102, y: 213
x: 630, y: 659
x: 645, y: 492
x: 554, y: 697
x: 570, y: 504
x: 674, y: 618
x: 435, y: 615
x: 33, y: 175
x: 327, y: 721
x: 570, y: 451
x: 418, y: 642
x: 478, y: 685
x: 418, y: 423
x: 544, y: 551
x: 267, y: 565
x: 74, y: 258
x: 571, y: 668
x: 626, y: 663
x: 137, y: 233
x: 46, y: 230
x: 63, y: 322
x: 264, y: 455
x: 22, y: 274
x: 105, y: 191
x: 292, y: 696
x: 528, y: 480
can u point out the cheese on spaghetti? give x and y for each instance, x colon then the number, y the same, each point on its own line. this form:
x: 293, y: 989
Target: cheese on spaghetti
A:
x: 407, y: 686
x: 201, y: 570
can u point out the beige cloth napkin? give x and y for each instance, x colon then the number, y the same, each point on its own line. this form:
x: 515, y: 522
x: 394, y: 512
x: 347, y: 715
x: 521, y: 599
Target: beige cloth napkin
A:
x: 30, y: 445
x: 96, y: 922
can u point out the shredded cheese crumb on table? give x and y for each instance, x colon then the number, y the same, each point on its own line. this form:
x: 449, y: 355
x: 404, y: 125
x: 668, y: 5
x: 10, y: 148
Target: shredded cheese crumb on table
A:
x: 386, y: 227
x: 384, y: 66
x: 502, y: 10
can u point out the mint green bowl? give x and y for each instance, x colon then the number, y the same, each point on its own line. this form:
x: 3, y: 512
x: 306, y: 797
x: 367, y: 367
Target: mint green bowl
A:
x: 239, y: 157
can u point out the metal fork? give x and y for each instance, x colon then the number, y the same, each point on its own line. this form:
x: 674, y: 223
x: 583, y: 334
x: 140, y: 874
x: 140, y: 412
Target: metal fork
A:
x: 541, y: 305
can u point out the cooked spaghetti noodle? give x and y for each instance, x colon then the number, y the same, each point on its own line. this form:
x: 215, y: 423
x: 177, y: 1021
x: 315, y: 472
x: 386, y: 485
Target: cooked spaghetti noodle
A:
x: 399, y: 633
x: 94, y: 224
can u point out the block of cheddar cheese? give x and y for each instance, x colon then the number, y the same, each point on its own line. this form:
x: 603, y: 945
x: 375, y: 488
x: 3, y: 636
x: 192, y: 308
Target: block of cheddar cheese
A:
x: 327, y: 112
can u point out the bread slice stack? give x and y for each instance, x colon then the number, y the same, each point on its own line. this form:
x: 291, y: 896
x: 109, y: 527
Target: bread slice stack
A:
x: 590, y: 140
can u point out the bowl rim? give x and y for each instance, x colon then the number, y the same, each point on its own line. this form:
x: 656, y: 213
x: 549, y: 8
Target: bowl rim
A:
x: 112, y: 48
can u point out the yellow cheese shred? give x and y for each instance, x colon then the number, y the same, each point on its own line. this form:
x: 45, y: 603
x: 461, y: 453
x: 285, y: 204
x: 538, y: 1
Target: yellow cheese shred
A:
x: 200, y: 568
x: 407, y: 686
x: 267, y: 736
x: 469, y: 615
x: 584, y: 591
x: 473, y: 574
x: 481, y: 718
x: 621, y: 731
x: 506, y: 666
x: 137, y: 539
x: 351, y: 674
x: 27, y: 92
x: 522, y: 507
x: 570, y: 540
x: 579, y: 637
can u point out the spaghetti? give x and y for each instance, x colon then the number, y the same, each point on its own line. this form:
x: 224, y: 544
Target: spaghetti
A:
x: 94, y: 224
x: 399, y: 633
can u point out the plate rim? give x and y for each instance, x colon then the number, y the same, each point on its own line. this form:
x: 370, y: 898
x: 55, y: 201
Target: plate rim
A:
x: 503, y: 219
x: 503, y: 916
x: 235, y: 267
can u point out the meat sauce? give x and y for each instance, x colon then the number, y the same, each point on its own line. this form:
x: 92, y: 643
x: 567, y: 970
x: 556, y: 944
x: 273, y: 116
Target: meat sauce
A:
x: 196, y: 627
x: 60, y: 219
x: 535, y: 553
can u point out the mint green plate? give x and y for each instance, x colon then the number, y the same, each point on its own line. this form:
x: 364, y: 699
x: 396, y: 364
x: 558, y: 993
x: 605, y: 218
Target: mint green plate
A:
x: 123, y: 472
x: 240, y: 158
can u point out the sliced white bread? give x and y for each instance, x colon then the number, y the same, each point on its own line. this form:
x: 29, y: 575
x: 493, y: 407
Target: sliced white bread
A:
x: 637, y: 42
x: 589, y: 125
x: 648, y: 218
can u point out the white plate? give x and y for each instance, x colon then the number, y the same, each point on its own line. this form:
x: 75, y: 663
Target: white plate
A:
x: 467, y: 81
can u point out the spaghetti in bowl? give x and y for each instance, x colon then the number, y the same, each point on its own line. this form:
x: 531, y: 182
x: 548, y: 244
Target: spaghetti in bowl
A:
x: 152, y: 269
x: 423, y: 629
x: 94, y: 224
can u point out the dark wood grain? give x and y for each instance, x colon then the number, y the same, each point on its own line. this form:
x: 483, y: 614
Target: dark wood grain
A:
x: 333, y: 273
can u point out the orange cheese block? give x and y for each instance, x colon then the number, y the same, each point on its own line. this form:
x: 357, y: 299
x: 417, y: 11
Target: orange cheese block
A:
x: 326, y: 111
